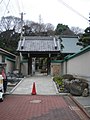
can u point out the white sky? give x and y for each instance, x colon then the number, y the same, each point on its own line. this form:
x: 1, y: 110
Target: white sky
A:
x: 51, y: 11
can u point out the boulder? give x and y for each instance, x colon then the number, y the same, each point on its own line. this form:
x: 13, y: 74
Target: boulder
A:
x: 68, y: 76
x: 85, y: 92
x: 78, y: 87
x: 75, y: 88
x: 66, y: 85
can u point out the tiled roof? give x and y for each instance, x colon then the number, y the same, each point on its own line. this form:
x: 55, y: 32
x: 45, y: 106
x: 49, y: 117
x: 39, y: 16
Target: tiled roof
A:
x: 49, y: 44
x: 70, y: 44
x: 39, y: 44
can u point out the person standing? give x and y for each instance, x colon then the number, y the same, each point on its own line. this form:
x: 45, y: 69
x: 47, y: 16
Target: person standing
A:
x: 4, y: 78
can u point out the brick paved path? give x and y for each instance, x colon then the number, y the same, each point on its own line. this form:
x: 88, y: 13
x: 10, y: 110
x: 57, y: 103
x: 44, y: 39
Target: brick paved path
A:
x: 27, y: 107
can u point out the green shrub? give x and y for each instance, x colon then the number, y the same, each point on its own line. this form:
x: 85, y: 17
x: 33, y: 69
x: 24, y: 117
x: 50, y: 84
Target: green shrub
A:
x: 58, y: 80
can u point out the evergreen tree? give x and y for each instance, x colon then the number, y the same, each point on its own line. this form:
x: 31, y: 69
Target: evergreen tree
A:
x: 9, y: 40
x: 85, y: 38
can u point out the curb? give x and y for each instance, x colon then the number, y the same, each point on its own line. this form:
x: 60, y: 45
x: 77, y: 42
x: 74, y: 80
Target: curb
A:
x: 57, y: 92
x: 16, y: 86
x: 55, y: 87
x: 80, y: 106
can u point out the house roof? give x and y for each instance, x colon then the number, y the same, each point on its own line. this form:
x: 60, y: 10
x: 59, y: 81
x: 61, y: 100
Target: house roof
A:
x: 49, y: 44
x: 39, y: 44
x: 70, y: 44
x: 84, y: 50
x: 68, y: 57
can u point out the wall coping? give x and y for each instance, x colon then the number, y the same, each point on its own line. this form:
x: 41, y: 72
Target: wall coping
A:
x: 84, y: 50
x: 68, y: 57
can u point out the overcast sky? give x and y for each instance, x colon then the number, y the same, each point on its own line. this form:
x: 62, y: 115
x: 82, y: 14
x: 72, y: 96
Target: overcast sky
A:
x: 71, y: 12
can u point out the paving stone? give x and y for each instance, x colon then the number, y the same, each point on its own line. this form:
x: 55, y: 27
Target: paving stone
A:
x: 19, y: 107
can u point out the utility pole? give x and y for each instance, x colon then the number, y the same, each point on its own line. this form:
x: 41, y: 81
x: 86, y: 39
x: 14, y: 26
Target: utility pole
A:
x: 89, y: 20
x: 21, y: 25
x: 21, y: 38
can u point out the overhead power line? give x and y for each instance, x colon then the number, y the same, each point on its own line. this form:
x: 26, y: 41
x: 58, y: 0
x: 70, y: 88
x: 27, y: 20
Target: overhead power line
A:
x: 18, y: 5
x: 1, y: 1
x: 7, y: 7
x: 12, y: 8
x: 69, y: 7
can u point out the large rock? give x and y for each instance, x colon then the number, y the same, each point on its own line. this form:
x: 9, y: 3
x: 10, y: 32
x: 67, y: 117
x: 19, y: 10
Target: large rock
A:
x: 77, y: 87
x: 68, y: 76
x: 85, y: 92
x: 67, y: 85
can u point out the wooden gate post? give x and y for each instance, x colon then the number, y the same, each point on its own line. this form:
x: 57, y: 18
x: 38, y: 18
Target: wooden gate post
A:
x: 48, y: 64
x: 29, y: 65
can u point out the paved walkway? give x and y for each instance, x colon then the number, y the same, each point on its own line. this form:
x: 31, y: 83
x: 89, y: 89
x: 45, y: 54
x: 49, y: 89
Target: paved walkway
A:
x: 24, y: 106
x: 40, y: 107
x: 44, y: 85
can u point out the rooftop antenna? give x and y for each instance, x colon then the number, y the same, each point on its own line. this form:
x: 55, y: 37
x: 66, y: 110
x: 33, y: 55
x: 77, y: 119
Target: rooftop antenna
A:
x: 21, y: 25
x: 40, y: 19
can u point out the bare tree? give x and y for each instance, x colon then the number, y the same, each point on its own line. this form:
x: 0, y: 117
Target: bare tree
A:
x: 49, y: 28
x: 10, y: 22
x: 38, y: 28
x: 77, y: 30
x: 17, y: 24
x: 6, y: 22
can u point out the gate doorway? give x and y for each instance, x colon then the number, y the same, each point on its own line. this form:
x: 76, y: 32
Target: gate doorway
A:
x: 39, y: 65
x: 41, y: 49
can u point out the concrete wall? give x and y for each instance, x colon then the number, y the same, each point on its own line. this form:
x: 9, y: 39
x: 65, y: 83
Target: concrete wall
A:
x: 64, y: 68
x: 10, y: 66
x: 24, y: 68
x: 10, y: 63
x: 0, y: 58
x: 17, y: 64
x: 79, y: 65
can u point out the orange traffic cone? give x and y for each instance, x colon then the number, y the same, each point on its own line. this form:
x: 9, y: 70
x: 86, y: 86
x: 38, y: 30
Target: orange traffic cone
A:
x: 33, y: 89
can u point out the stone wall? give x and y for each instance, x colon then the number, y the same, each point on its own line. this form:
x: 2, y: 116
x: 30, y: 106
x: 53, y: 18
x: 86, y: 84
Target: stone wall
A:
x: 55, y: 69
